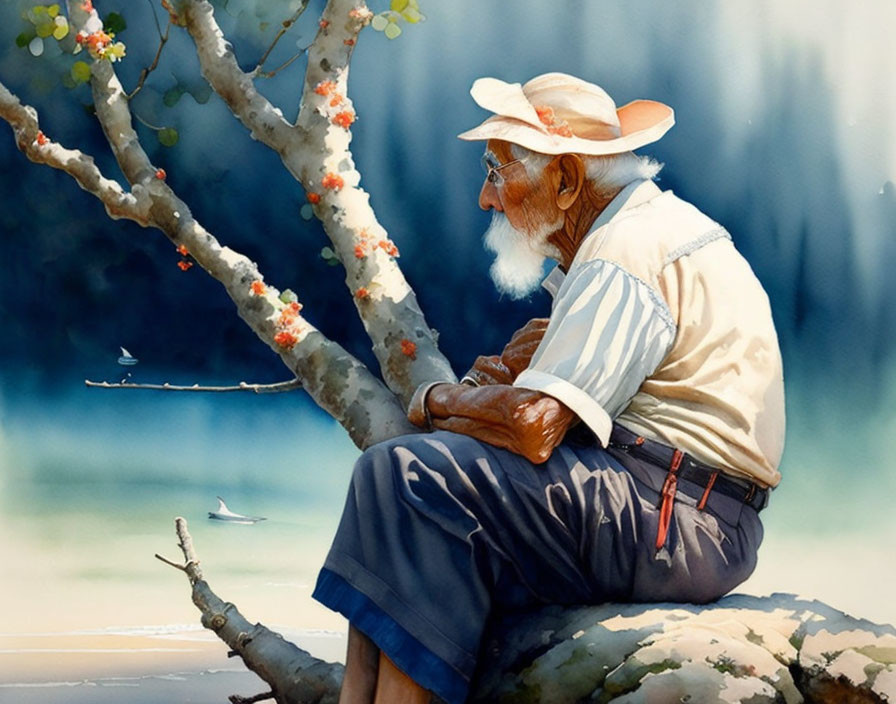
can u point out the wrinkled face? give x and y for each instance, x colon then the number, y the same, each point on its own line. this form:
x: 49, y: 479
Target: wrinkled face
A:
x: 521, y: 222
x: 528, y: 202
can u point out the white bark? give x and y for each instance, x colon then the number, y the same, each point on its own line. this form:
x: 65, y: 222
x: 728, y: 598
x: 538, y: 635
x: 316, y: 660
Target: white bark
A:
x: 42, y: 150
x: 316, y: 152
x: 337, y: 381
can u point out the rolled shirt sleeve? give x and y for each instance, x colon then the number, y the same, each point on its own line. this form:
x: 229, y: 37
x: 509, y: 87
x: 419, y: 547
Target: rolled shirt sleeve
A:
x: 608, y: 332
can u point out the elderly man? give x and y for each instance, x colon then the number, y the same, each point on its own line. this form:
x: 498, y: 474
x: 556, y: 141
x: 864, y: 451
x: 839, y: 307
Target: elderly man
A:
x: 618, y: 451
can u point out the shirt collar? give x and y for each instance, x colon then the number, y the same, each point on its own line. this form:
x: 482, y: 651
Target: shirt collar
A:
x: 633, y: 195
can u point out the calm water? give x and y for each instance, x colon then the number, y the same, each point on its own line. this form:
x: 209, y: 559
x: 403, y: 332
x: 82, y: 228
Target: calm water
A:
x: 91, y: 481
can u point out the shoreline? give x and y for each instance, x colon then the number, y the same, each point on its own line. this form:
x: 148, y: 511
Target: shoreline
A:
x: 177, y: 663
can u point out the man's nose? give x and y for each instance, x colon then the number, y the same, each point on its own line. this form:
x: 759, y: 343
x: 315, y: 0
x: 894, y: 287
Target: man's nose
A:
x: 488, y: 197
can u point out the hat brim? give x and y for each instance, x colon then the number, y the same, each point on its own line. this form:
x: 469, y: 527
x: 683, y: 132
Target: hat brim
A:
x: 641, y: 122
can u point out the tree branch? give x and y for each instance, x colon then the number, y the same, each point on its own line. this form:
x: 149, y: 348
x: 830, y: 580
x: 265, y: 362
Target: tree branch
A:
x: 172, y: 563
x: 163, y: 39
x: 80, y: 166
x: 220, y: 68
x: 336, y: 380
x: 316, y: 152
x: 295, y: 677
x: 278, y: 387
x: 236, y: 699
x: 284, y: 28
x: 285, y: 64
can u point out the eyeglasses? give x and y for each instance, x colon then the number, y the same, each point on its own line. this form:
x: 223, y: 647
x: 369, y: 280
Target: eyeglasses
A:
x: 493, y: 168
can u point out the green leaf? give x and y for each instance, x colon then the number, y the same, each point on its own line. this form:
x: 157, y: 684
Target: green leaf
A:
x: 68, y: 81
x: 114, y: 23
x: 329, y: 256
x: 398, y: 5
x: 201, y: 93
x: 168, y: 136
x: 45, y: 29
x: 392, y: 30
x: 411, y: 15
x: 24, y: 39
x: 172, y: 95
x: 288, y: 296
x: 53, y: 10
x: 61, y: 30
x: 80, y: 72
x: 379, y: 23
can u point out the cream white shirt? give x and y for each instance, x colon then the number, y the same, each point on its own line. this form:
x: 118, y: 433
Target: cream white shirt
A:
x: 661, y: 325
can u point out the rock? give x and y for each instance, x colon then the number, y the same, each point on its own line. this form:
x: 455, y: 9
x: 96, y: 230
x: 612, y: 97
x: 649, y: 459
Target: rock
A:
x: 780, y: 649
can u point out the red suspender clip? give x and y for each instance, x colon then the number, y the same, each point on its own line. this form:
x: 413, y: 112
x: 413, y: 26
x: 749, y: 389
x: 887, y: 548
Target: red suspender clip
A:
x: 668, y: 497
x: 712, y: 480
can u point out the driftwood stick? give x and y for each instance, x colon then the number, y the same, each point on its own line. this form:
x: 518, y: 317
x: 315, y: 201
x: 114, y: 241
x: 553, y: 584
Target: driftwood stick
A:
x: 295, y: 677
x: 172, y: 563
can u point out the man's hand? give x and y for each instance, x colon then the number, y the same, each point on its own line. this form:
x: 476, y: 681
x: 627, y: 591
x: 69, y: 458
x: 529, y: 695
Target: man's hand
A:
x: 526, y: 422
x: 518, y: 353
x: 490, y: 370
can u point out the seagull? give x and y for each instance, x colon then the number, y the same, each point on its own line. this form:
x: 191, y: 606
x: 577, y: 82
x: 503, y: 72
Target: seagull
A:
x: 225, y: 514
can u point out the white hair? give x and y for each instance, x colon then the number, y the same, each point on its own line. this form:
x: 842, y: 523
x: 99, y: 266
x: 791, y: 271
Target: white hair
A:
x: 618, y: 170
x: 606, y: 173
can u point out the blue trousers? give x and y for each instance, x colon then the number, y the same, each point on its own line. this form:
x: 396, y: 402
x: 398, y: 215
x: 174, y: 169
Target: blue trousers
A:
x: 441, y: 531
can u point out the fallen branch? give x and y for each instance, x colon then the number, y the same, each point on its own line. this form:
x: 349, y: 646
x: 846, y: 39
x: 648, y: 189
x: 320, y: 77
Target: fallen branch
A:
x: 237, y: 699
x: 275, y: 388
x: 295, y: 677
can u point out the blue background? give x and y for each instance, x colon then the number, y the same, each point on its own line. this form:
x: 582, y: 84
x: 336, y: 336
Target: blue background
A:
x: 784, y: 135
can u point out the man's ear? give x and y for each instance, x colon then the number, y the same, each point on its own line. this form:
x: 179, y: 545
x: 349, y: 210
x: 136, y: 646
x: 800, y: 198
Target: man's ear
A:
x: 570, y: 179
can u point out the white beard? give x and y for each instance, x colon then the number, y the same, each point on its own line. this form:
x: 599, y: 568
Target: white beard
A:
x: 517, y: 269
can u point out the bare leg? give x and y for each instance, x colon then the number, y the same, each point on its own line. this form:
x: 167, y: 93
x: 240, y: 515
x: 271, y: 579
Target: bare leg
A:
x: 395, y: 687
x: 361, y: 664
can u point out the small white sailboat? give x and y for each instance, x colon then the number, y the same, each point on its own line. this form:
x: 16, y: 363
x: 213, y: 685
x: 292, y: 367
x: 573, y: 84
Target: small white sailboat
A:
x: 225, y: 514
x: 127, y: 359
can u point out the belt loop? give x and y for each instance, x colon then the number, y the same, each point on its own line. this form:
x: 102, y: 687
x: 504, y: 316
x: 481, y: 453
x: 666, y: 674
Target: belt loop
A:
x: 750, y: 494
x: 712, y: 480
x: 668, y: 497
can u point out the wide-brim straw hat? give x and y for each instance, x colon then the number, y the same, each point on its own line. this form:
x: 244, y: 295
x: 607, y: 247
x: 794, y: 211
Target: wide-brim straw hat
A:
x: 556, y: 113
